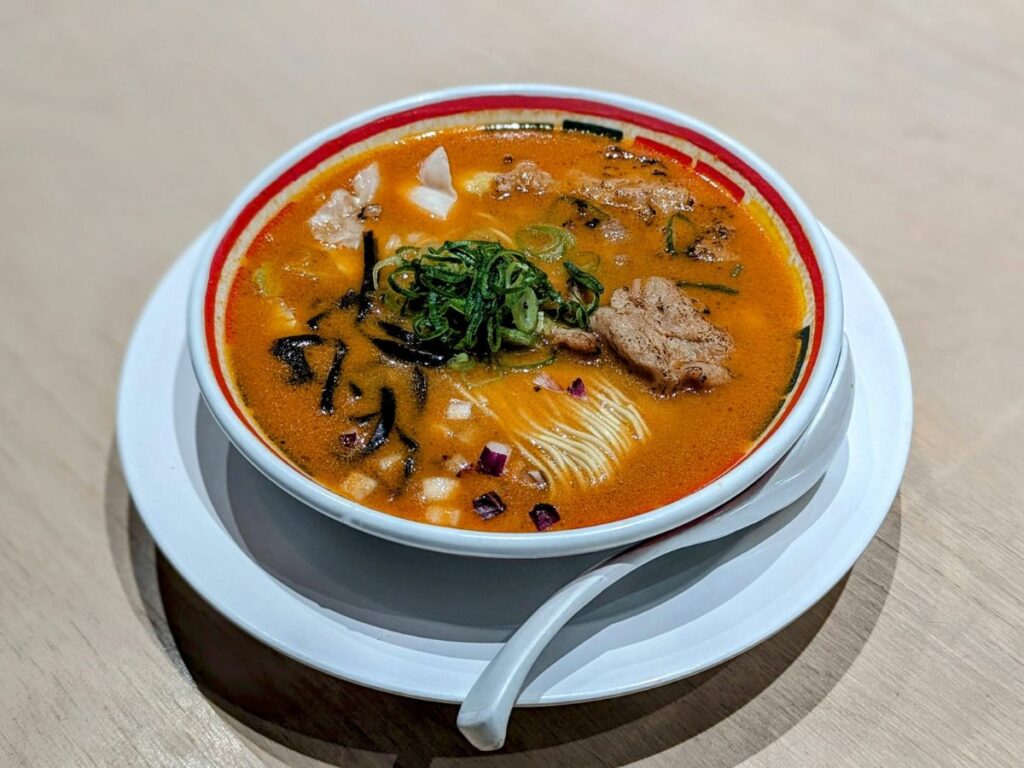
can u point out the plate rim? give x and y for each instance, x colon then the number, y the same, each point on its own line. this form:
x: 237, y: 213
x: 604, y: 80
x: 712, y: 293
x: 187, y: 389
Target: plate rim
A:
x: 826, y: 582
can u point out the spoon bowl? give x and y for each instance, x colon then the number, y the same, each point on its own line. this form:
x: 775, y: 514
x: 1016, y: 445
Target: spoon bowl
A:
x: 483, y: 717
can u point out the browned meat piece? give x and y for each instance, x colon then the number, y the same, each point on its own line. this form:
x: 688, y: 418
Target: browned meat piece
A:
x: 659, y: 332
x: 646, y: 199
x: 525, y: 178
x: 574, y: 339
x: 712, y: 245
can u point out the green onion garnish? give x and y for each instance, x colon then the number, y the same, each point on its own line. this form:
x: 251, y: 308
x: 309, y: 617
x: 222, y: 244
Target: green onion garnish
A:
x: 476, y: 298
x: 545, y: 241
x: 717, y: 287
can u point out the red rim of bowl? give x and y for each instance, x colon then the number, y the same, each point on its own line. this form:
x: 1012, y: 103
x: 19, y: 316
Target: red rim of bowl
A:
x: 549, y: 98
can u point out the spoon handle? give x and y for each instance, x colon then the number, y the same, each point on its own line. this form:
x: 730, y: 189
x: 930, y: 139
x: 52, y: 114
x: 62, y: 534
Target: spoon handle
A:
x: 483, y: 717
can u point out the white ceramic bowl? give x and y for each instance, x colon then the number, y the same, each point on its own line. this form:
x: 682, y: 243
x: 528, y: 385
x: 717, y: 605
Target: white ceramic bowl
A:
x: 658, y: 130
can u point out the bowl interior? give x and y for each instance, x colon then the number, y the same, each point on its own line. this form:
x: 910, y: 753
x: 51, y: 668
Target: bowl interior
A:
x: 714, y: 157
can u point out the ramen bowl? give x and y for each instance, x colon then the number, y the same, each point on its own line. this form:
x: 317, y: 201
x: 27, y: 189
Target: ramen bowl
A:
x: 727, y: 164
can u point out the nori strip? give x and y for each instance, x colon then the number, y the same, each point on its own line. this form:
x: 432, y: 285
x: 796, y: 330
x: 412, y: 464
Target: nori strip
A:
x: 599, y: 130
x: 333, y: 376
x: 409, y: 354
x: 289, y: 350
x: 385, y: 423
x: 369, y: 262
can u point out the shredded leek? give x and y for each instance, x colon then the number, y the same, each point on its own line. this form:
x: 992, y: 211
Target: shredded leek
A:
x: 679, y: 233
x: 545, y: 241
x: 477, y: 298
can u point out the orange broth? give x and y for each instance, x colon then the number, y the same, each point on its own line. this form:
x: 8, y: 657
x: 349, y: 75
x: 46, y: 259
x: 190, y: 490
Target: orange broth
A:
x: 690, y: 437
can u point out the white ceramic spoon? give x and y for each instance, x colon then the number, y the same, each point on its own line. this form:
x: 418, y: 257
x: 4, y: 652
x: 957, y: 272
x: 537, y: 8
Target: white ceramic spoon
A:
x: 483, y: 717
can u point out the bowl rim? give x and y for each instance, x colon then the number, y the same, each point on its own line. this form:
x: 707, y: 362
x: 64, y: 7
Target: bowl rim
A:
x: 687, y: 510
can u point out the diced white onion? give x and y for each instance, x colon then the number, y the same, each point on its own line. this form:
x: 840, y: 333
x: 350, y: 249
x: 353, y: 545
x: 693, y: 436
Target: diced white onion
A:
x: 459, y: 410
x: 358, y: 486
x: 387, y: 462
x: 457, y: 464
x: 438, y: 488
x: 442, y: 515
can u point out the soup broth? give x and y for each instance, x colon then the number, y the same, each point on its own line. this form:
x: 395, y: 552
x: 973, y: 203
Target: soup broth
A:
x: 340, y: 379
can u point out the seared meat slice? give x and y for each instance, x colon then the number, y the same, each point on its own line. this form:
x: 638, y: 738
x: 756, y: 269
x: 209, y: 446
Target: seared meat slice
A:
x: 646, y: 199
x: 525, y: 178
x: 574, y: 339
x: 712, y: 245
x: 659, y: 332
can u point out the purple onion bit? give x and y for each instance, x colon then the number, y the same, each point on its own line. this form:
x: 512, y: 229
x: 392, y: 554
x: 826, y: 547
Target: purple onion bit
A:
x: 544, y: 516
x: 492, y: 458
x: 489, y: 505
x: 350, y: 443
x: 578, y: 390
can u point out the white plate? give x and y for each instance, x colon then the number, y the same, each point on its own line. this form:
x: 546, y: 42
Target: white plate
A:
x: 425, y: 624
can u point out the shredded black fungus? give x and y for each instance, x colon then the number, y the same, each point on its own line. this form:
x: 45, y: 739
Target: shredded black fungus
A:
x: 369, y: 262
x: 290, y: 350
x: 385, y: 421
x: 333, y: 377
x: 409, y: 354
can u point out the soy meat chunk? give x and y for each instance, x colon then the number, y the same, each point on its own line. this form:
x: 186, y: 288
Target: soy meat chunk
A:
x: 661, y: 334
x: 646, y: 199
x: 526, y: 178
x: 573, y: 339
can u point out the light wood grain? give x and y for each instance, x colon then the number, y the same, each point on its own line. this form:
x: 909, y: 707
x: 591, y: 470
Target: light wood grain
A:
x: 124, y: 128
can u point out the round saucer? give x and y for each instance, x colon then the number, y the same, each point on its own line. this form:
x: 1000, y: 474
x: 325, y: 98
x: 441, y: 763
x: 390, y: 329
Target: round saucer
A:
x: 425, y: 624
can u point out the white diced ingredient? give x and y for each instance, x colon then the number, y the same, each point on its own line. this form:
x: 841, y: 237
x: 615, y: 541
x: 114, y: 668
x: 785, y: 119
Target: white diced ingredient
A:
x: 358, y: 486
x: 387, y: 462
x: 459, y: 410
x: 438, y: 488
x: 442, y: 515
x: 435, y: 194
x: 457, y: 463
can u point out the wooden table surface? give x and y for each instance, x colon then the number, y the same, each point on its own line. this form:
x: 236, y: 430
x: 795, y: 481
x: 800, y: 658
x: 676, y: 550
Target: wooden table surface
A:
x: 125, y: 128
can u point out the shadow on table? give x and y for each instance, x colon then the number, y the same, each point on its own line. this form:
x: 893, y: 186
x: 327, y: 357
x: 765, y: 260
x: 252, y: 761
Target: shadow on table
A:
x: 717, y: 718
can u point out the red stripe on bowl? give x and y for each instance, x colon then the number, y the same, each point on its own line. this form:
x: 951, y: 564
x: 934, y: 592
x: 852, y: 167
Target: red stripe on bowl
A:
x: 514, y: 101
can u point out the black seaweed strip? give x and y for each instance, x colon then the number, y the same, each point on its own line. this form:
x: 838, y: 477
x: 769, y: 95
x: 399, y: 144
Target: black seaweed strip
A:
x: 415, y: 355
x: 333, y: 377
x: 289, y: 350
x: 600, y: 130
x: 386, y: 422
x: 804, y: 335
x: 369, y: 262
x: 771, y: 418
